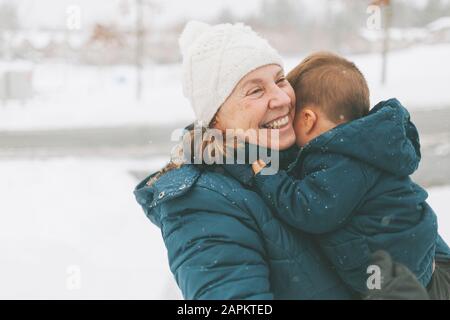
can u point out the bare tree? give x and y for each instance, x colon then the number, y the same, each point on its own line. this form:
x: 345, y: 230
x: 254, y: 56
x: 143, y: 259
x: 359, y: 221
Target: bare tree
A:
x: 139, y: 47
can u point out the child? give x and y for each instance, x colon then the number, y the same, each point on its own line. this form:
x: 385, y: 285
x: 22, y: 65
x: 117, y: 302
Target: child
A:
x: 350, y: 182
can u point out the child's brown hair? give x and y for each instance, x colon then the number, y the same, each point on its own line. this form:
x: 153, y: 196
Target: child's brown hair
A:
x: 333, y: 84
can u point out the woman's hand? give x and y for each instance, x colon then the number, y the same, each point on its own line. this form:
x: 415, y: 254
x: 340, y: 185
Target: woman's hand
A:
x: 258, y: 165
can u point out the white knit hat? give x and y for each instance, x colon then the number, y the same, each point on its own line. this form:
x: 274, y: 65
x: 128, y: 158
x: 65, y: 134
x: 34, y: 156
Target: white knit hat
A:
x: 215, y: 59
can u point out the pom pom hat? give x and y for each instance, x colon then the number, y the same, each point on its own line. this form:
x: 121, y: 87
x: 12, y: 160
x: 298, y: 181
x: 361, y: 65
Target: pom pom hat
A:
x: 215, y: 59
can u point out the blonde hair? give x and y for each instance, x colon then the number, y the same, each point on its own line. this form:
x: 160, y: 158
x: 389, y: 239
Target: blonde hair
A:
x: 208, y: 147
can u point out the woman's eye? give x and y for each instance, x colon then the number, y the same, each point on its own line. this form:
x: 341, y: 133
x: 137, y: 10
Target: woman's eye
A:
x: 281, y: 80
x: 252, y: 92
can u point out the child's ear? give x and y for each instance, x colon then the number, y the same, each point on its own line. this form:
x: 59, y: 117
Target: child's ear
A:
x: 309, y: 119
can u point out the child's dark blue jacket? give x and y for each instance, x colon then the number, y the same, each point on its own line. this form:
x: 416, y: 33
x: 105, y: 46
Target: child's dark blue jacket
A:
x: 351, y: 185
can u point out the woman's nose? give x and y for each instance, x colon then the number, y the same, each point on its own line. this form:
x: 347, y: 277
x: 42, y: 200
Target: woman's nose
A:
x: 279, y: 98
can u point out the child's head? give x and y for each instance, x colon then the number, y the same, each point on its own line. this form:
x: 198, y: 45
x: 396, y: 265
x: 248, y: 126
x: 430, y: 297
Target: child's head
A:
x: 330, y: 90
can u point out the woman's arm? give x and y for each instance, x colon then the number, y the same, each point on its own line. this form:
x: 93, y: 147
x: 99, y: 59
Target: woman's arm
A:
x: 214, y: 250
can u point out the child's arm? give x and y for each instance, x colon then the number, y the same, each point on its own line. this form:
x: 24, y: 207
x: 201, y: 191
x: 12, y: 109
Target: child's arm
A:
x: 323, y: 200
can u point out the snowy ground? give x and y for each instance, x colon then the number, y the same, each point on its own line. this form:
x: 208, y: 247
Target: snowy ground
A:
x: 70, y: 228
x: 66, y: 220
x: 80, y: 96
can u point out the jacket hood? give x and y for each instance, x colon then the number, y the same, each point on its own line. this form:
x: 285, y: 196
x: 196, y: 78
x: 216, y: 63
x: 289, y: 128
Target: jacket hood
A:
x: 385, y: 138
x: 170, y: 185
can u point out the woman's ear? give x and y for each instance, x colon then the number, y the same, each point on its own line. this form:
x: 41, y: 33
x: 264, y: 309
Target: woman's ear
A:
x: 309, y: 120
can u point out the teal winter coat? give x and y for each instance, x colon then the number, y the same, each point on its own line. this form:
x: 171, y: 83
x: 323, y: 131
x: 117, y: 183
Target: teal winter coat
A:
x: 351, y: 187
x: 224, y: 242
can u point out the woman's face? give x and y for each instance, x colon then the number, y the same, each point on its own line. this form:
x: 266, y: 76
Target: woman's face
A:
x: 262, y: 101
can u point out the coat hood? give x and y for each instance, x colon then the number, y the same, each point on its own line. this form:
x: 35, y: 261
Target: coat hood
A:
x: 385, y: 138
x: 170, y: 185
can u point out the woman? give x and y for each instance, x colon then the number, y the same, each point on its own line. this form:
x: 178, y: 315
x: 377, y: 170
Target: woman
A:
x: 223, y: 241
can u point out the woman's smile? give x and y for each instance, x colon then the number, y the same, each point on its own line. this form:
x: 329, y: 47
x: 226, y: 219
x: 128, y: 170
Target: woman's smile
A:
x: 278, y: 123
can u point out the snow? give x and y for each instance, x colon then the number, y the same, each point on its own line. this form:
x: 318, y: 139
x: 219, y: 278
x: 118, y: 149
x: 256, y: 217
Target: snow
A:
x: 68, y: 96
x: 438, y: 199
x: 69, y: 216
x: 70, y: 228
x: 82, y: 96
x: 413, y: 35
x: 440, y: 24
x: 15, y: 66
